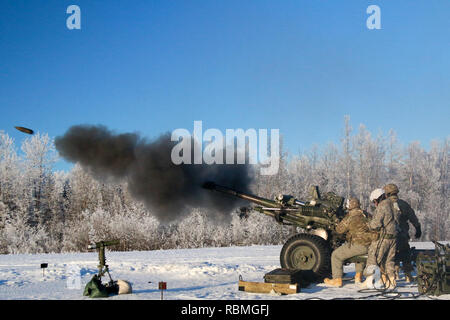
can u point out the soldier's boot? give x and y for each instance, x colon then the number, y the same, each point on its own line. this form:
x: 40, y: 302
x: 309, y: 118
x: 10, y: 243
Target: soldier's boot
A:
x: 408, y: 277
x: 358, y: 278
x: 384, y: 279
x: 407, y: 269
x: 397, y: 273
x: 368, y: 283
x: 391, y: 283
x: 333, y: 282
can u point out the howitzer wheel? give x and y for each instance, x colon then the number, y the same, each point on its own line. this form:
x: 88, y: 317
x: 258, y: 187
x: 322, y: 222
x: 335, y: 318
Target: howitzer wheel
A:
x: 307, y: 252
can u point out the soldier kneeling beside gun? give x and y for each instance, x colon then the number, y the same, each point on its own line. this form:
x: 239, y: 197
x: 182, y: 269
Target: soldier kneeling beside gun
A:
x: 358, y: 239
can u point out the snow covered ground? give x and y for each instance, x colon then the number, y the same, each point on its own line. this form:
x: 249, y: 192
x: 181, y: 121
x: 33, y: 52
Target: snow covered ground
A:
x: 207, y: 273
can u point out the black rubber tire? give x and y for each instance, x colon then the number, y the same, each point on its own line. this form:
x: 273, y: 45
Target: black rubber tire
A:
x: 307, y: 252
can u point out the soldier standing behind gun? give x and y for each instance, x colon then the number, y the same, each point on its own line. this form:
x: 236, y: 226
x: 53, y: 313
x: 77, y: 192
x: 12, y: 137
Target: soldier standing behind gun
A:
x: 358, y: 236
x: 406, y: 213
x: 382, y: 251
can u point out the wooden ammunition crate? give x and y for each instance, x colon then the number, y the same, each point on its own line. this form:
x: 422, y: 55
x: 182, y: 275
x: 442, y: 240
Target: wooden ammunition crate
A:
x: 272, y: 288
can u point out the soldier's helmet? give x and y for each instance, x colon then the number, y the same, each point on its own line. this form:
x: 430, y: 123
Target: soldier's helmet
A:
x: 353, y: 203
x: 377, y: 193
x: 391, y: 189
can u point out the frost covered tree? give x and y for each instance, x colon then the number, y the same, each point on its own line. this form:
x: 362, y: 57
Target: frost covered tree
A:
x: 369, y: 164
x: 329, y: 170
x: 42, y: 210
x: 39, y: 158
x: 346, y: 158
x: 9, y: 175
x: 437, y: 193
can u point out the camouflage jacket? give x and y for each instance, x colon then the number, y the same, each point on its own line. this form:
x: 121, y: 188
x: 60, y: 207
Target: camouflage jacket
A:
x: 406, y: 214
x: 355, y: 226
x: 385, y: 219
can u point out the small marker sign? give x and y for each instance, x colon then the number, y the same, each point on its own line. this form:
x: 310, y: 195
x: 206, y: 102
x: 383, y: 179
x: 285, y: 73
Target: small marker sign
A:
x: 162, y: 286
x: 43, y: 267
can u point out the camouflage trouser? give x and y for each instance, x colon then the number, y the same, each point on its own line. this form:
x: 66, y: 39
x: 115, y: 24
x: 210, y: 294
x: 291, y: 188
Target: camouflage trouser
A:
x: 403, y: 253
x: 344, y: 252
x: 382, y: 254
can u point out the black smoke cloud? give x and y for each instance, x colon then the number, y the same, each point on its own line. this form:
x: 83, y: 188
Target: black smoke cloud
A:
x: 169, y: 191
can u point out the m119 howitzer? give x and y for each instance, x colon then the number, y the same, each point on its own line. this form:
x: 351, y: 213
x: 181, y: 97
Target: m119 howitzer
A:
x: 318, y: 217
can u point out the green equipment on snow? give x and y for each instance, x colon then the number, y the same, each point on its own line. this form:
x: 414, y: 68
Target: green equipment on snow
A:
x: 95, y: 288
x: 433, y: 271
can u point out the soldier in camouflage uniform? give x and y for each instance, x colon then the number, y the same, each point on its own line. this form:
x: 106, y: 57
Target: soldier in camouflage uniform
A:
x: 355, y: 226
x: 406, y: 213
x: 382, y: 251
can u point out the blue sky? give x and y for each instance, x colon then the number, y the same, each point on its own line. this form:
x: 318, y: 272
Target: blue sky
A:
x: 298, y: 66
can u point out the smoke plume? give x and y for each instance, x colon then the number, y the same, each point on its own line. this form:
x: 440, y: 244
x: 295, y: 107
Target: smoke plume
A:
x: 169, y: 191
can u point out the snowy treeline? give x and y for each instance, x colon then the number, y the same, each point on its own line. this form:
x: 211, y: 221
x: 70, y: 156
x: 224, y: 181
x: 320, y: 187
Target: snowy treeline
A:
x: 46, y: 211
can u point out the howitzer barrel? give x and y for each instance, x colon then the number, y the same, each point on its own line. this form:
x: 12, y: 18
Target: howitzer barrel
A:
x: 242, y: 195
x: 101, y: 244
x: 320, y: 213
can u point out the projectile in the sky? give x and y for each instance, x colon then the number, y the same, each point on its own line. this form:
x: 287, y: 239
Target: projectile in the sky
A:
x: 25, y: 130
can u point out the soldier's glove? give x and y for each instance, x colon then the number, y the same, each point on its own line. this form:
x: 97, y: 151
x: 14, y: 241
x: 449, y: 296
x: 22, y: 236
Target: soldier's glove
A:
x: 418, y: 232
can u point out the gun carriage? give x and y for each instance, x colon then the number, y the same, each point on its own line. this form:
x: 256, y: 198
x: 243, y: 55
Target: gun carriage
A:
x: 318, y: 217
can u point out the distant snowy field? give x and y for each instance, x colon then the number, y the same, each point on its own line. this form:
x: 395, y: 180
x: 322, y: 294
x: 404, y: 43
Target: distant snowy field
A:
x: 207, y: 273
